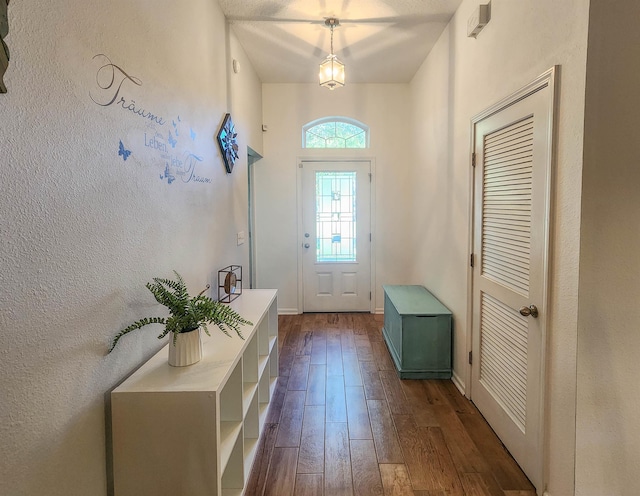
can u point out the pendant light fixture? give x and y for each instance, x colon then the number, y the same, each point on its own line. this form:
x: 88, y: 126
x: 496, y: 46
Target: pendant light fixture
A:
x: 331, y: 69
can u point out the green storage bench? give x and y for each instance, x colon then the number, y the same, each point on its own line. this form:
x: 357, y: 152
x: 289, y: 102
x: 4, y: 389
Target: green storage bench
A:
x: 418, y: 332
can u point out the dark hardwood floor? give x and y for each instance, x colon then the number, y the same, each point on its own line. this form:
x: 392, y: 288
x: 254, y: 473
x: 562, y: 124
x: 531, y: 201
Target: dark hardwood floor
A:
x: 342, y: 423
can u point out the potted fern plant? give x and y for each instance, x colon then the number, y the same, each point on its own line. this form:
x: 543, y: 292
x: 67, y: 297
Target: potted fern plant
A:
x: 188, y: 314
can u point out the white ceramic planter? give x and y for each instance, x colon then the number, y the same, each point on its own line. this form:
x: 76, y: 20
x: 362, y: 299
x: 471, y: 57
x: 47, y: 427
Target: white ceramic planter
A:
x: 187, y: 349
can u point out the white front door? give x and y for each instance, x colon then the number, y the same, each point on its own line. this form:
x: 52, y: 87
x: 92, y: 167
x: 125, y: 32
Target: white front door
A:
x: 511, y: 230
x: 335, y: 238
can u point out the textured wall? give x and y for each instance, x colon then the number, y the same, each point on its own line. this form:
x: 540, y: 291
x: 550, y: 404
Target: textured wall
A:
x: 287, y: 107
x: 607, y: 430
x: 83, y: 229
x: 460, y: 78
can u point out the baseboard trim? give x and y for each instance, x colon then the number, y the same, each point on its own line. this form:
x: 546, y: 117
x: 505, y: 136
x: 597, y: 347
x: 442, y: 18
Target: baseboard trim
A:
x: 379, y: 311
x: 288, y: 311
x: 455, y: 378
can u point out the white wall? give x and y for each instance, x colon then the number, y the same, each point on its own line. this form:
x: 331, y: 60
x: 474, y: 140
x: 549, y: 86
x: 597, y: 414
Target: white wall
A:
x: 287, y: 107
x: 83, y: 230
x: 608, y: 431
x: 460, y: 78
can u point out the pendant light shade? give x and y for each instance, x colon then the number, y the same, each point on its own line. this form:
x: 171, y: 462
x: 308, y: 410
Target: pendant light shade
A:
x: 331, y: 69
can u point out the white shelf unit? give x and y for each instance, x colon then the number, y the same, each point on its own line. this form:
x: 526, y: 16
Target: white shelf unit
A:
x: 194, y: 431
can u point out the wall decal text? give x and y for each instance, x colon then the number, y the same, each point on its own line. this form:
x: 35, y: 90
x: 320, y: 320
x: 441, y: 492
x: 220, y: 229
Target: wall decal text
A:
x: 171, y: 148
x: 110, y: 79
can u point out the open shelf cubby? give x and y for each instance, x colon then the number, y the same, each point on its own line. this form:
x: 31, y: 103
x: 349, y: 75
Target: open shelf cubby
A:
x: 215, y: 408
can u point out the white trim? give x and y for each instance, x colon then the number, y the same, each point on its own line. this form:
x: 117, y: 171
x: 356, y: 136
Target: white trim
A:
x: 547, y: 79
x: 378, y: 311
x: 455, y: 378
x: 288, y: 311
x: 372, y: 217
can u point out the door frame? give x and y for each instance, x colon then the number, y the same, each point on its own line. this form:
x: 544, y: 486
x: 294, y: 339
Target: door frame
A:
x: 252, y: 157
x: 372, y: 217
x: 549, y: 79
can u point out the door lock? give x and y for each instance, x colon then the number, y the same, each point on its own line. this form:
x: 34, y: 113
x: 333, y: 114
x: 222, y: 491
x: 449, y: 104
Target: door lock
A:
x: 307, y: 245
x: 530, y: 310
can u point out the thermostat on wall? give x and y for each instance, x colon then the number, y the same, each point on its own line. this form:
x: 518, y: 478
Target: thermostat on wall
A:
x: 478, y: 20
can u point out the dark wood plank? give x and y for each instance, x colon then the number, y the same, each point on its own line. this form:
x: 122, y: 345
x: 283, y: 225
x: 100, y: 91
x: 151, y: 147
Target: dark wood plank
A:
x: 434, y: 394
x: 337, y: 474
x: 334, y: 353
x: 335, y: 400
x: 311, y: 456
x: 448, y: 476
x: 373, y: 389
x: 258, y: 477
x: 299, y: 373
x: 308, y: 485
x: 317, y: 385
x: 393, y: 391
x: 305, y: 341
x: 455, y: 398
x: 282, y: 472
x: 277, y: 401
x: 465, y: 454
x: 351, y: 369
x: 287, y: 355
x: 364, y: 467
x: 292, y: 337
x: 347, y: 342
x: 423, y: 412
x: 384, y: 433
x: 395, y: 480
x: 503, y: 467
x: 381, y: 355
x: 361, y: 323
x: 319, y: 347
x: 363, y: 348
x: 427, y: 458
x: 290, y: 426
x: 480, y: 484
x: 357, y: 413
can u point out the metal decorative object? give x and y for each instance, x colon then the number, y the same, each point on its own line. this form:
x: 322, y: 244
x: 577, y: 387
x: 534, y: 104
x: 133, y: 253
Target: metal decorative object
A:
x: 229, y: 283
x: 4, y: 49
x: 227, y: 140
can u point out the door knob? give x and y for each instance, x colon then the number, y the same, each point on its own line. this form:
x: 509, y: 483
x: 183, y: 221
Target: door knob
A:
x: 530, y: 310
x: 306, y: 245
x: 306, y: 235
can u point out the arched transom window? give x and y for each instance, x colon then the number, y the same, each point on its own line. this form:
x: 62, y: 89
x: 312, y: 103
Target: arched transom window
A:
x: 335, y: 132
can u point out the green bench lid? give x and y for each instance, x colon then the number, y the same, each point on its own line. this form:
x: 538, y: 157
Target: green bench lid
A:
x: 414, y: 300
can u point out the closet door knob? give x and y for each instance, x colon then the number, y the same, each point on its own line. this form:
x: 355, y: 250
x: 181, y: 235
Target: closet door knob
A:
x: 530, y: 310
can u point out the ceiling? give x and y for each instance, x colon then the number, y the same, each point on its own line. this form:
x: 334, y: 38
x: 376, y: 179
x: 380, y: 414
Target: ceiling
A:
x: 380, y: 41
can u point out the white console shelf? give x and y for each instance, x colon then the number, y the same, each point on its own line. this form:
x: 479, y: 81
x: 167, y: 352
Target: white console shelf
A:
x: 192, y: 431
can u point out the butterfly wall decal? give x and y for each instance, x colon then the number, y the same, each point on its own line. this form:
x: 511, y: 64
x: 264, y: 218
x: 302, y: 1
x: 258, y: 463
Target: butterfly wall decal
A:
x: 123, y: 152
x: 175, y: 126
x: 167, y: 174
x: 172, y: 140
x: 193, y: 134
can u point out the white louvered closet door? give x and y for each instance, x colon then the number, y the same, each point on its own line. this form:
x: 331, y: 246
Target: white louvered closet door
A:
x: 511, y: 191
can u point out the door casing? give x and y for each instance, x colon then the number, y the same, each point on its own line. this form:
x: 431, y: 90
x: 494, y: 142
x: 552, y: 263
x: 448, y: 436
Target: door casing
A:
x: 547, y: 79
x: 300, y: 228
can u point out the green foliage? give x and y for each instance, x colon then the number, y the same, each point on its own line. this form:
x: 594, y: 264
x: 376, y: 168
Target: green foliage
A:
x: 187, y: 313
